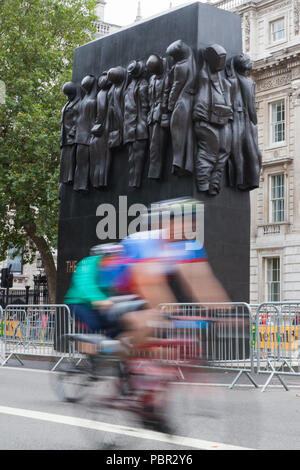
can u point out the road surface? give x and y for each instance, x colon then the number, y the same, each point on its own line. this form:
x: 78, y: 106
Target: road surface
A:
x: 207, y: 415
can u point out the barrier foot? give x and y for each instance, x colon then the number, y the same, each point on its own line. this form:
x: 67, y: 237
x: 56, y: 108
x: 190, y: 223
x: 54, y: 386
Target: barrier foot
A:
x: 274, y: 372
x: 285, y: 363
x: 57, y: 364
x: 180, y: 373
x: 241, y: 372
x: 279, y: 378
x: 9, y: 357
x: 283, y: 383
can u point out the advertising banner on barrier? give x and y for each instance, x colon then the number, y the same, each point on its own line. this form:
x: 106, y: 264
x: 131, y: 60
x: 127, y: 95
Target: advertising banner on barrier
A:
x: 274, y: 337
x: 12, y: 329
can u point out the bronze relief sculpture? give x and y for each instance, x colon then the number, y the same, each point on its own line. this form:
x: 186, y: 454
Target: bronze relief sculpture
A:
x: 180, y: 104
x: 207, y: 114
x: 118, y: 77
x: 158, y: 116
x: 135, y: 135
x: 246, y: 158
x: 68, y: 132
x: 212, y: 115
x: 85, y: 121
x: 100, y: 153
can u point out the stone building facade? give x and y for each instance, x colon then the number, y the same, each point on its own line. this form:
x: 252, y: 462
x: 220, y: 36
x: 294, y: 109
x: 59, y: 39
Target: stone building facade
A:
x: 271, y: 35
x: 102, y: 27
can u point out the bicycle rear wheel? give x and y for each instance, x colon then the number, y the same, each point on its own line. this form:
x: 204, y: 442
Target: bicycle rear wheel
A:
x: 97, y: 406
x: 156, y: 413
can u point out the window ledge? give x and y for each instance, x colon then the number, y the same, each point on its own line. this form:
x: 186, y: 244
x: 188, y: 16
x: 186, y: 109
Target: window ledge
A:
x: 277, y: 161
x: 276, y: 145
x: 273, y: 44
x: 273, y: 228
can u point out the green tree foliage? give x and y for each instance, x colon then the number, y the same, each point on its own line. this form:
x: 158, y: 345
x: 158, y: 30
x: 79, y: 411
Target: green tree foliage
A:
x: 37, y: 42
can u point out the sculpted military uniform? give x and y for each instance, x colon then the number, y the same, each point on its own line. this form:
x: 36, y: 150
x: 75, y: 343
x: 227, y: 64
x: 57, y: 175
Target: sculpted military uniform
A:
x: 119, y: 78
x: 158, y: 117
x: 183, y: 77
x: 86, y: 119
x: 135, y: 122
x: 212, y: 115
x: 68, y: 132
x: 100, y: 152
x: 246, y: 158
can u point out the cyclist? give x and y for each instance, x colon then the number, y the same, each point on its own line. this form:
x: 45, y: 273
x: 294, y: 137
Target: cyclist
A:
x: 97, y: 279
x: 167, y: 266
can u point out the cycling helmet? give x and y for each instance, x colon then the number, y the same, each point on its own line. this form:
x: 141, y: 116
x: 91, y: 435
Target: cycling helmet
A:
x: 106, y: 249
x: 178, y: 206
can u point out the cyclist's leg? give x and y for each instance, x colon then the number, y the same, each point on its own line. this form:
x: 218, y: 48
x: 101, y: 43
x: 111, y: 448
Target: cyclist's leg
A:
x: 138, y: 326
x: 90, y: 320
x: 86, y: 315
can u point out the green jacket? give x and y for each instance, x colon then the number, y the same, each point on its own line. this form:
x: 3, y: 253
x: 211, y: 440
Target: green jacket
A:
x: 85, y: 287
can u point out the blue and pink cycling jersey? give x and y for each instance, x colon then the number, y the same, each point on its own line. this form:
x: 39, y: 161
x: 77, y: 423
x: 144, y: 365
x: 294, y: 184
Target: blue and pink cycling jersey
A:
x: 142, y: 247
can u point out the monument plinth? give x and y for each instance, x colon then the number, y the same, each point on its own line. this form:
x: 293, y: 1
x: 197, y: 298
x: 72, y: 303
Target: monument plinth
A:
x: 148, y: 159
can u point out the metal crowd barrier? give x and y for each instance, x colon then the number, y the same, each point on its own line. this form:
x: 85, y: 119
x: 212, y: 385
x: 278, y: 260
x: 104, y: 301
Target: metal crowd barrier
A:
x: 2, y: 342
x: 219, y: 334
x: 237, y: 337
x: 222, y: 334
x: 33, y: 330
x: 276, y: 333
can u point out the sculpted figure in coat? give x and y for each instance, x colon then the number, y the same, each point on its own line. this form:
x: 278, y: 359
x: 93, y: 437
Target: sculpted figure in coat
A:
x: 136, y: 107
x: 180, y: 104
x: 158, y: 116
x: 68, y: 132
x: 118, y: 77
x: 246, y: 158
x: 212, y: 117
x: 100, y: 153
x: 85, y: 122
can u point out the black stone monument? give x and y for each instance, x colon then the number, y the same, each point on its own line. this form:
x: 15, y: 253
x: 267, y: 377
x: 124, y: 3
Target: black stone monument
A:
x: 227, y: 216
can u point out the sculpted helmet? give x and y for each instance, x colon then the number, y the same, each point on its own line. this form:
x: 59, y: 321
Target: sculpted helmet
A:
x: 215, y: 56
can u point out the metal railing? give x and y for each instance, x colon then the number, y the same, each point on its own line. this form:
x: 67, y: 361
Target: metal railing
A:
x: 23, y: 297
x: 238, y: 337
x: 2, y: 342
x: 276, y: 333
x: 228, y: 4
x: 223, y: 335
x: 33, y: 330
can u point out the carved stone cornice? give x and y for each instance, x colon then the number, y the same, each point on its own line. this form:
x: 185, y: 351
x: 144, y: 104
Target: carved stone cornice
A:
x: 278, y: 72
x: 273, y: 81
x: 277, y: 161
x: 287, y: 57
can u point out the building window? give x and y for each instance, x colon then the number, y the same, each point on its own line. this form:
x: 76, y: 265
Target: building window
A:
x: 277, y: 111
x: 277, y: 199
x: 277, y: 30
x: 15, y: 261
x: 273, y: 279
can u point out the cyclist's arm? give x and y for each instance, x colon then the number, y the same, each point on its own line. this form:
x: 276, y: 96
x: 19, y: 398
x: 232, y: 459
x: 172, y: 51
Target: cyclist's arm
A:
x: 202, y: 282
x: 151, y: 283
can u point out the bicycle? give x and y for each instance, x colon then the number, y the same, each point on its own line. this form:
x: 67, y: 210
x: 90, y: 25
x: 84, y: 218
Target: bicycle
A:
x: 140, y: 385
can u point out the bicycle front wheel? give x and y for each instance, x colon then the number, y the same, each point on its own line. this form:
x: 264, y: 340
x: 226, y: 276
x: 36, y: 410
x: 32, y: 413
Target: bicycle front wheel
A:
x: 71, y: 382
